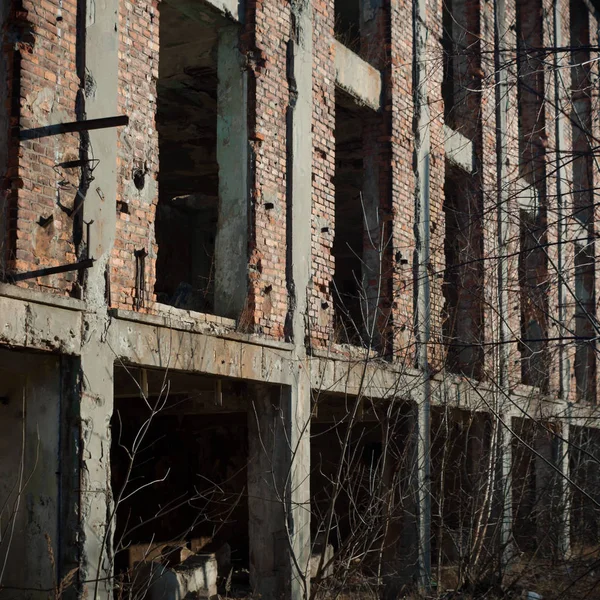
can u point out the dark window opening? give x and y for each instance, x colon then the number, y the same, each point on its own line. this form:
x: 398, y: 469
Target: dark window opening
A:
x: 583, y: 211
x: 460, y: 446
x: 347, y: 250
x: 524, y: 488
x: 347, y: 23
x: 186, y: 120
x: 530, y: 92
x: 533, y: 261
x: 533, y: 283
x: 462, y: 71
x: 189, y: 463
x: 463, y: 278
x: 585, y: 330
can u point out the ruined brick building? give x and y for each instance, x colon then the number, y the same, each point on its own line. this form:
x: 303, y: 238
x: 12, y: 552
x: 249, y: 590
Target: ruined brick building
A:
x: 229, y: 227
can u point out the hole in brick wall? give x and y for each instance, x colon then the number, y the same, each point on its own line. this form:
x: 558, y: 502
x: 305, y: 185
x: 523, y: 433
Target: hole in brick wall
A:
x: 463, y: 277
x: 188, y: 182
x: 139, y: 179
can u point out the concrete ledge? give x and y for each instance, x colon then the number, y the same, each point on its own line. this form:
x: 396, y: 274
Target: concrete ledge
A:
x: 154, y: 345
x: 459, y: 149
x: 18, y: 293
x: 36, y: 326
x: 357, y: 77
x: 193, y: 322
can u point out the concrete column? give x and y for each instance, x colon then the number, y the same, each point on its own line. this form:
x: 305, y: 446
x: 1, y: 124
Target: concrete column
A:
x: 231, y: 243
x: 422, y: 169
x: 268, y: 464
x: 504, y: 490
x: 561, y: 457
x: 502, y: 416
x: 297, y: 398
x: 96, y: 362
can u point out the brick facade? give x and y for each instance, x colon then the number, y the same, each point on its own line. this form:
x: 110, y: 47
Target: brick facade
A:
x: 44, y: 228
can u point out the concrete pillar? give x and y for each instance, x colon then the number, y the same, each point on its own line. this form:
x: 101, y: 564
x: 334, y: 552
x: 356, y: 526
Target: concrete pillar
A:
x: 279, y: 518
x: 297, y: 398
x: 268, y: 463
x: 96, y: 361
x: 502, y: 418
x: 561, y: 457
x: 423, y: 301
x: 231, y: 243
x: 504, y: 490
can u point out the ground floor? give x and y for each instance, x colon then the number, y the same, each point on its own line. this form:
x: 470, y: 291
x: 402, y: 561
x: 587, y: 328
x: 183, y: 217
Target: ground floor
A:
x: 162, y: 460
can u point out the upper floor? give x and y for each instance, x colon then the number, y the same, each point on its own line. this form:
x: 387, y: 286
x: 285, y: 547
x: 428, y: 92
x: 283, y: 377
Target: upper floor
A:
x: 191, y: 205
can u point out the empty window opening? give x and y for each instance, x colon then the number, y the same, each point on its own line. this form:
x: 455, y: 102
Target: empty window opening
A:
x: 347, y: 23
x: 583, y: 165
x: 180, y: 480
x: 462, y: 65
x: 523, y: 479
x: 585, y: 330
x: 584, y: 471
x: 533, y: 284
x: 188, y: 183
x: 530, y: 92
x: 460, y: 446
x: 358, y: 511
x: 355, y: 294
x: 463, y: 278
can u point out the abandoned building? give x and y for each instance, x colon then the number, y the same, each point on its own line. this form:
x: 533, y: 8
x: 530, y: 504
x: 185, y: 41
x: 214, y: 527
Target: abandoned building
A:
x: 280, y: 278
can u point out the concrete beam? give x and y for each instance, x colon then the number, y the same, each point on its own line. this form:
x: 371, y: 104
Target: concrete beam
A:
x: 37, y: 321
x: 357, y: 77
x: 459, y: 149
x: 142, y: 342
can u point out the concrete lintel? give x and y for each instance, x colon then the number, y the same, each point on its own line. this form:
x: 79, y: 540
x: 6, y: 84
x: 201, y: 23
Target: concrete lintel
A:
x: 12, y: 291
x: 195, y: 9
x: 357, y: 77
x: 39, y: 326
x: 155, y: 346
x: 459, y: 149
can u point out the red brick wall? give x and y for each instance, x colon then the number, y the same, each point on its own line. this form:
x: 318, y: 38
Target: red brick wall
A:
x: 43, y: 86
x: 137, y: 149
x: 323, y: 208
x: 400, y: 106
x: 265, y: 42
